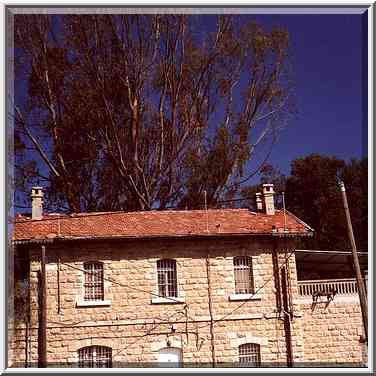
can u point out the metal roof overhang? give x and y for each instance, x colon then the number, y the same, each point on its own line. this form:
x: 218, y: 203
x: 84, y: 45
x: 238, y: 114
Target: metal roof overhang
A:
x: 328, y: 260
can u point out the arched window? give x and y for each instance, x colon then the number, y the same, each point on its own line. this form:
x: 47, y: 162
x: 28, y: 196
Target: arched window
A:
x: 167, y: 278
x: 95, y: 357
x: 243, y: 275
x: 93, y: 285
x: 249, y: 355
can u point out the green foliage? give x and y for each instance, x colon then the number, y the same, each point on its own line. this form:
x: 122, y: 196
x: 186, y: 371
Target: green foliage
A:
x: 312, y: 193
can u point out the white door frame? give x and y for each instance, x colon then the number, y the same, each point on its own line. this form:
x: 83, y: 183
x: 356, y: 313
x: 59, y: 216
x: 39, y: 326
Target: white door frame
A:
x: 170, y: 357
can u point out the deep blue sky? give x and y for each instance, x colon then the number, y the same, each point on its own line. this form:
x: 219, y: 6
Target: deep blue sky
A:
x: 330, y: 65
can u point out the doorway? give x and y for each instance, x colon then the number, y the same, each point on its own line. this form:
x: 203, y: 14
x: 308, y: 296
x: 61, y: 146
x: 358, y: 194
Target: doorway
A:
x: 170, y: 357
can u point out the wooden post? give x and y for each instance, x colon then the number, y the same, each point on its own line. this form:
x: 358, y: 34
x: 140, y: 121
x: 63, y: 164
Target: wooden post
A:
x: 287, y: 319
x: 212, y: 341
x: 359, y: 279
x: 58, y: 285
x: 277, y: 281
x: 43, y: 313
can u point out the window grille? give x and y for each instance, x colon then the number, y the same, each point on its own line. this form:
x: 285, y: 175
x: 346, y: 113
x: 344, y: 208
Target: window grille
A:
x: 95, y: 357
x: 93, y: 286
x: 249, y: 355
x: 167, y: 279
x: 243, y: 275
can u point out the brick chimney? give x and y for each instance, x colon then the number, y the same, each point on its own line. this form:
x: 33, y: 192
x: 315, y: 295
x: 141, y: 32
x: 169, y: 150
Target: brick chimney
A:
x: 36, y: 203
x: 258, y: 201
x: 268, y: 193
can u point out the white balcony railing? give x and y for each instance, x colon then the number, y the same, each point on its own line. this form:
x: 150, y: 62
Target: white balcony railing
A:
x: 346, y: 286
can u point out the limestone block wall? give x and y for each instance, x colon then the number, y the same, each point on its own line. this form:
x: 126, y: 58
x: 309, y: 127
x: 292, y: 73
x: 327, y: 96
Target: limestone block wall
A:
x: 331, y: 333
x: 135, y: 328
x: 17, y: 344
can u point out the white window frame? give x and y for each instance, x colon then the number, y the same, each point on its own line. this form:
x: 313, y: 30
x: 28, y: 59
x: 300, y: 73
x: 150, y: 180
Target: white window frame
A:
x: 168, y: 298
x: 252, y: 294
x: 83, y: 301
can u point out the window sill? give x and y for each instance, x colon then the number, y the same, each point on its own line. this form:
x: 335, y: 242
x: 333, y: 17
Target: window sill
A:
x: 93, y: 303
x: 244, y: 297
x: 172, y: 300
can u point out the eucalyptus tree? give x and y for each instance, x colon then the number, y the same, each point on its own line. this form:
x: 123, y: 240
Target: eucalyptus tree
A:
x: 140, y: 112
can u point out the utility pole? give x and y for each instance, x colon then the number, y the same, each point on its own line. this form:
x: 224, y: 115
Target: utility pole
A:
x: 359, y: 279
x: 43, y: 313
x: 287, y: 318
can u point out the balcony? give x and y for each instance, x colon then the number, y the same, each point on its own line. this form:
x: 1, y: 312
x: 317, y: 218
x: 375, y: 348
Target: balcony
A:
x: 343, y: 287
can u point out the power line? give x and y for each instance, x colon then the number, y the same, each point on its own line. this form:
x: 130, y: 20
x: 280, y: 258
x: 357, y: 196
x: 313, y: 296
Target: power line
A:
x: 165, y: 321
x: 222, y: 201
x: 193, y: 320
x: 126, y: 286
x: 252, y: 295
x: 143, y: 336
x: 217, y: 320
x: 132, y: 288
x: 93, y: 214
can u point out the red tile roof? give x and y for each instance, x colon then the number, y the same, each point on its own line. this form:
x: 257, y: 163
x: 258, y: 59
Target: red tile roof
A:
x: 158, y: 224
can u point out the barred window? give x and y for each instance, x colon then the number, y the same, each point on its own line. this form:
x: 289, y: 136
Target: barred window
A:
x: 167, y: 279
x: 243, y: 275
x: 95, y: 357
x: 249, y: 355
x: 93, y: 285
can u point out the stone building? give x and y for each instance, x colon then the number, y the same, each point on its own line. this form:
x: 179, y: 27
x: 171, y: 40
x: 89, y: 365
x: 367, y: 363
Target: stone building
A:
x: 183, y: 288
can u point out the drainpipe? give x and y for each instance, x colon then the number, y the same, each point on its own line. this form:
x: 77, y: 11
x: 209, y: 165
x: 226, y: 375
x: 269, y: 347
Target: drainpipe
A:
x: 277, y: 280
x: 28, y: 319
x: 210, y: 311
x: 42, y: 361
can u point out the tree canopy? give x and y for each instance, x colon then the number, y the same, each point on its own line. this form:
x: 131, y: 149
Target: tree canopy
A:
x: 312, y: 194
x: 140, y: 112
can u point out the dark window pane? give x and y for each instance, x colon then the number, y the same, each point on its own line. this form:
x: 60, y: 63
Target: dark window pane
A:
x: 167, y: 278
x: 243, y: 275
x: 249, y: 355
x: 94, y: 284
x: 95, y: 357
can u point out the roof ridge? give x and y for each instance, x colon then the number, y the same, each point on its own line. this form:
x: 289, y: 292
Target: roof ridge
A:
x: 93, y: 214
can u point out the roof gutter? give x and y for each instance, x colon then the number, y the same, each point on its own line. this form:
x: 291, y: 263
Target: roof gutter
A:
x: 33, y: 241
x: 151, y: 237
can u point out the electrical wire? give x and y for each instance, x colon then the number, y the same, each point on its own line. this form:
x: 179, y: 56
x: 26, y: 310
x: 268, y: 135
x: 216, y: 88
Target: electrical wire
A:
x: 166, y: 321
x: 126, y: 286
x: 161, y: 322
x: 175, y: 300
x: 252, y: 295
x: 143, y: 336
x: 151, y: 293
x: 93, y: 214
x: 131, y: 287
x: 216, y: 320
